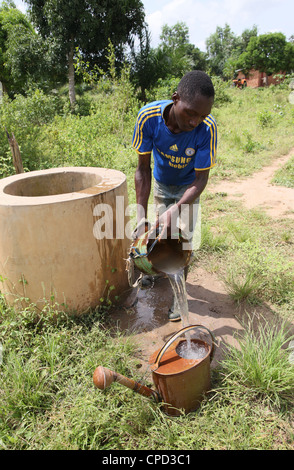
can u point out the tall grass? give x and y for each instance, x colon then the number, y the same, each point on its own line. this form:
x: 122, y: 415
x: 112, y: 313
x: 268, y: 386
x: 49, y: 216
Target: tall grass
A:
x: 260, y: 366
x: 253, y: 128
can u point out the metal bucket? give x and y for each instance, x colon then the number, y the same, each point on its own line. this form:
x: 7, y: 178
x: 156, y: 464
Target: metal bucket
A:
x: 153, y: 255
x: 181, y: 383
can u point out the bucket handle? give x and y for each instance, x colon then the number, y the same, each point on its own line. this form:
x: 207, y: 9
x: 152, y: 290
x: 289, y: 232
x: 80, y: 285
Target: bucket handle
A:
x: 177, y: 335
x: 134, y: 253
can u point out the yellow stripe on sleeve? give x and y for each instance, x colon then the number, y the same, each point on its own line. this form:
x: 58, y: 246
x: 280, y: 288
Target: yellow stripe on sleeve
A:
x: 210, y: 122
x: 143, y: 116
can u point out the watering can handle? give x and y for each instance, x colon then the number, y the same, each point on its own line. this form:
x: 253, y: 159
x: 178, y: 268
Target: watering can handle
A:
x: 177, y: 335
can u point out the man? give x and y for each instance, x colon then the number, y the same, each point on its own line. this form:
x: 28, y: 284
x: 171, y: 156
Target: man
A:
x: 182, y: 135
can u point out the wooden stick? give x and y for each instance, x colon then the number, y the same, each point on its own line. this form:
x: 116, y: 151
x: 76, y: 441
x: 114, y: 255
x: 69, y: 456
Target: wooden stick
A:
x: 16, y: 157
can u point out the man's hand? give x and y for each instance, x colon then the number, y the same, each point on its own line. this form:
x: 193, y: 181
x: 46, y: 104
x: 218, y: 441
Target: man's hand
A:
x: 142, y: 227
x: 167, y: 221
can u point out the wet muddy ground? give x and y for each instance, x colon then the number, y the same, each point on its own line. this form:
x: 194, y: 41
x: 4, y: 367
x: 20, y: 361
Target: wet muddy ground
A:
x: 208, y: 304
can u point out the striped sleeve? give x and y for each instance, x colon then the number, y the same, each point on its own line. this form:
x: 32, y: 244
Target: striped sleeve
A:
x: 143, y: 138
x: 206, y: 153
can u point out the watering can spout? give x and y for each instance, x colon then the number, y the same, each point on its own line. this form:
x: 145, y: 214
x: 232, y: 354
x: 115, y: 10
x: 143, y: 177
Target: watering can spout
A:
x: 104, y: 377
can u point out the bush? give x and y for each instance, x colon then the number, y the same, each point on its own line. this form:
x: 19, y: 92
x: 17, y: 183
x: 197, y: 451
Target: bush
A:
x: 265, y: 118
x: 25, y: 113
x: 163, y: 89
x: 221, y: 92
x: 25, y: 117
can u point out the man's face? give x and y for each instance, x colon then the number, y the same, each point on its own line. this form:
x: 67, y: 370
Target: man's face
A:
x: 189, y: 115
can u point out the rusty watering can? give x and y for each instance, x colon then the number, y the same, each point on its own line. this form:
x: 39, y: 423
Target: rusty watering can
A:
x: 180, y: 383
x: 152, y: 254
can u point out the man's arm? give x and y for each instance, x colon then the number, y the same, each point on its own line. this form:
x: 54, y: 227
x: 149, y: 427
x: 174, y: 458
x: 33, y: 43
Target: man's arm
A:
x: 196, y: 188
x: 143, y: 185
x: 189, y: 196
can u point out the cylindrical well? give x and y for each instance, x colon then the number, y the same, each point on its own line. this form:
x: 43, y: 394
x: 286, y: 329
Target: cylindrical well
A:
x: 51, y: 245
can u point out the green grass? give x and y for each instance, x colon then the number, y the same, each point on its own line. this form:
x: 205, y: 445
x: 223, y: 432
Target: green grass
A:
x: 48, y: 400
x: 285, y: 176
x: 260, y: 366
x: 253, y: 129
x: 250, y: 252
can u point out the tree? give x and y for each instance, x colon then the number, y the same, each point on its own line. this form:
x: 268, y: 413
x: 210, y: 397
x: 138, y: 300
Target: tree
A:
x: 270, y: 53
x: 25, y: 58
x: 174, y: 37
x: 143, y: 61
x: 172, y: 58
x: 242, y: 42
x: 175, y: 54
x: 12, y: 21
x: 220, y: 46
x: 87, y: 25
x: 246, y: 36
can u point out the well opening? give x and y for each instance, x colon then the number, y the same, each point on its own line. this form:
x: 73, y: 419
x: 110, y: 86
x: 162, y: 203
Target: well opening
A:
x: 52, y: 184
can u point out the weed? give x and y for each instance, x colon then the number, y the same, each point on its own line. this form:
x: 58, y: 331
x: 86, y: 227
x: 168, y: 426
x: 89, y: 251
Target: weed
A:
x: 285, y: 176
x: 286, y: 236
x: 255, y: 273
x: 250, y: 144
x: 259, y: 366
x: 240, y: 230
x: 265, y: 118
x: 210, y: 241
x: 243, y: 287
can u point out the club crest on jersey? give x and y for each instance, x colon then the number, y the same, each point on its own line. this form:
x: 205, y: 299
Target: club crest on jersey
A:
x: 189, y: 152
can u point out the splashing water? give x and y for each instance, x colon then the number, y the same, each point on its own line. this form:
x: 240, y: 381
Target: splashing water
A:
x: 178, y: 283
x: 191, y: 351
x: 186, y: 349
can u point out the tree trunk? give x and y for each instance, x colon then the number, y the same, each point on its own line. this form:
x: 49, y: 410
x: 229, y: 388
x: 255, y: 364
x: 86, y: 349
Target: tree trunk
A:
x: 4, y: 89
x: 71, y: 76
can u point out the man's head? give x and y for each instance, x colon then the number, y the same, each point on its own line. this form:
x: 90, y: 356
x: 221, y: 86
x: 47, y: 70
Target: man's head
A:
x: 195, y: 83
x: 193, y: 100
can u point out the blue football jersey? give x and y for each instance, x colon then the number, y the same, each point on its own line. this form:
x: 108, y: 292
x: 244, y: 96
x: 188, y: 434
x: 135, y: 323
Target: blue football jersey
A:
x: 176, y: 156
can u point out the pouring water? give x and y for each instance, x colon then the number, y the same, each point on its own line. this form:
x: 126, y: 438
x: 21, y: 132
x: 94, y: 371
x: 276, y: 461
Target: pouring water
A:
x: 168, y: 256
x: 187, y: 349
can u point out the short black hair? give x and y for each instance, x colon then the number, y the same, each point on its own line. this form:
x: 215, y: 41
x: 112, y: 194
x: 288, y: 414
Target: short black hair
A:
x: 193, y: 83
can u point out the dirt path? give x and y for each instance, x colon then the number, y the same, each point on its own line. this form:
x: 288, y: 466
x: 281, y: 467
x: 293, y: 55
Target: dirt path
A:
x: 257, y: 191
x: 209, y: 304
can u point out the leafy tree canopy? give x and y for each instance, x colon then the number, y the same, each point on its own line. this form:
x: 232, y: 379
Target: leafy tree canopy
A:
x: 88, y: 25
x: 26, y: 59
x: 180, y: 55
x: 270, y: 53
x: 220, y: 46
x: 174, y: 56
x: 14, y: 27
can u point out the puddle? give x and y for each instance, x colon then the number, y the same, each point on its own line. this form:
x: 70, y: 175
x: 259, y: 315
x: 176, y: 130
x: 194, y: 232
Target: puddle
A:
x: 149, y: 311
